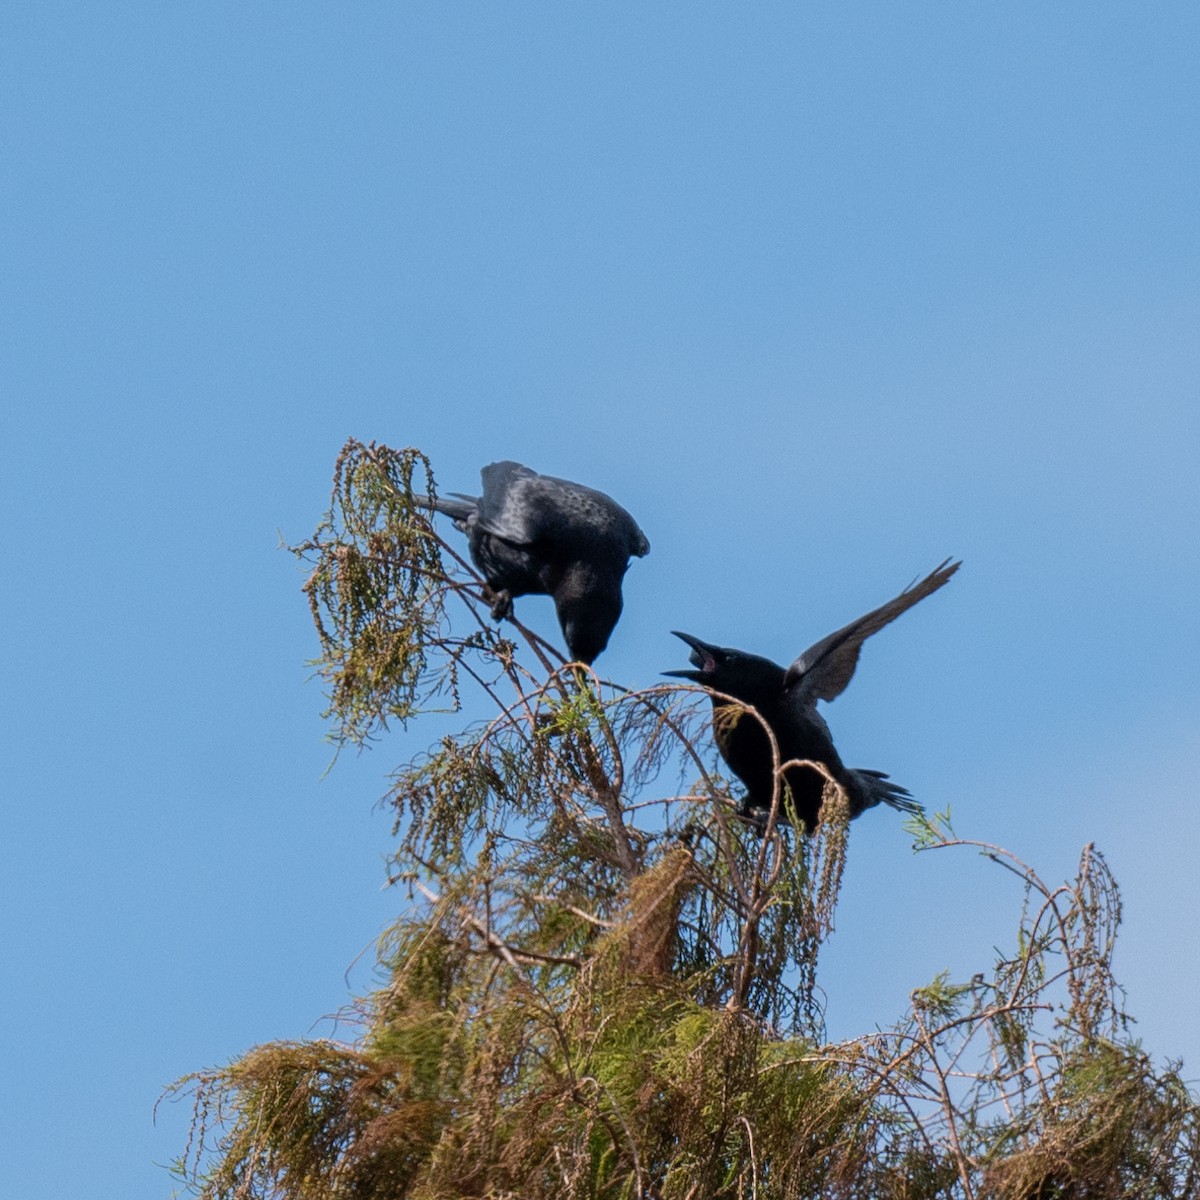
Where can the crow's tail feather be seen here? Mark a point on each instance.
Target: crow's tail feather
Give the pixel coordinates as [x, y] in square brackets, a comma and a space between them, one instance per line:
[459, 509]
[869, 788]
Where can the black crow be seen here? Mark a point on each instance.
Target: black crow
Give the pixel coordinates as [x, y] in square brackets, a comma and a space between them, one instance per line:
[787, 702]
[534, 534]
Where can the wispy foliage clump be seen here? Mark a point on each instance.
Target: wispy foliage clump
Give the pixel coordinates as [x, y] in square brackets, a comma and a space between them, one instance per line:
[602, 984]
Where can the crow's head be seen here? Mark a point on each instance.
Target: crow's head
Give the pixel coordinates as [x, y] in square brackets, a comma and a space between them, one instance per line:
[746, 676]
[589, 605]
[586, 634]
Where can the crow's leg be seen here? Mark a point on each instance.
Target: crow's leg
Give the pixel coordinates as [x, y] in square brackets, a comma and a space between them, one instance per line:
[502, 603]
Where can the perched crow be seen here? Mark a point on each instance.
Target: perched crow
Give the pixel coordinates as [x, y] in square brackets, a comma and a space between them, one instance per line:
[534, 534]
[787, 701]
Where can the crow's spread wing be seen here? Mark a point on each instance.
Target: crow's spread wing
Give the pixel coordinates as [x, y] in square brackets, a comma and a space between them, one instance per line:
[823, 671]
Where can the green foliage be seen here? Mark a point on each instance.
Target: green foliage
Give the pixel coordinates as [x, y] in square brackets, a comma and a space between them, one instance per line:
[603, 985]
[379, 592]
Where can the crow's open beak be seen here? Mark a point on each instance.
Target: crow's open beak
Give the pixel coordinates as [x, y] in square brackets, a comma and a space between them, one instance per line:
[703, 656]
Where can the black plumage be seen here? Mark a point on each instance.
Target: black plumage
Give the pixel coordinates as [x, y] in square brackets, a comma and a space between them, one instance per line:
[534, 534]
[787, 699]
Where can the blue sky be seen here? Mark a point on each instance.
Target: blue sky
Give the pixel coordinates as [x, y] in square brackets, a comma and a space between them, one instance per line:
[821, 292]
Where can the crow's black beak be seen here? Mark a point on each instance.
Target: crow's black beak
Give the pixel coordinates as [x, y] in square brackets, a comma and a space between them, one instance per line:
[703, 656]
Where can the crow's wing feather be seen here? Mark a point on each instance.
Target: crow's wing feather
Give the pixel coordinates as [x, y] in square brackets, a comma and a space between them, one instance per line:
[523, 507]
[502, 509]
[823, 670]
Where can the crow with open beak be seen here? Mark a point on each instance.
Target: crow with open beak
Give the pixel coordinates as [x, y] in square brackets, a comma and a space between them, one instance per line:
[786, 700]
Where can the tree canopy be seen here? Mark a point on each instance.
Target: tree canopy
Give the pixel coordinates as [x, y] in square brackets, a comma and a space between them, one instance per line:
[602, 984]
